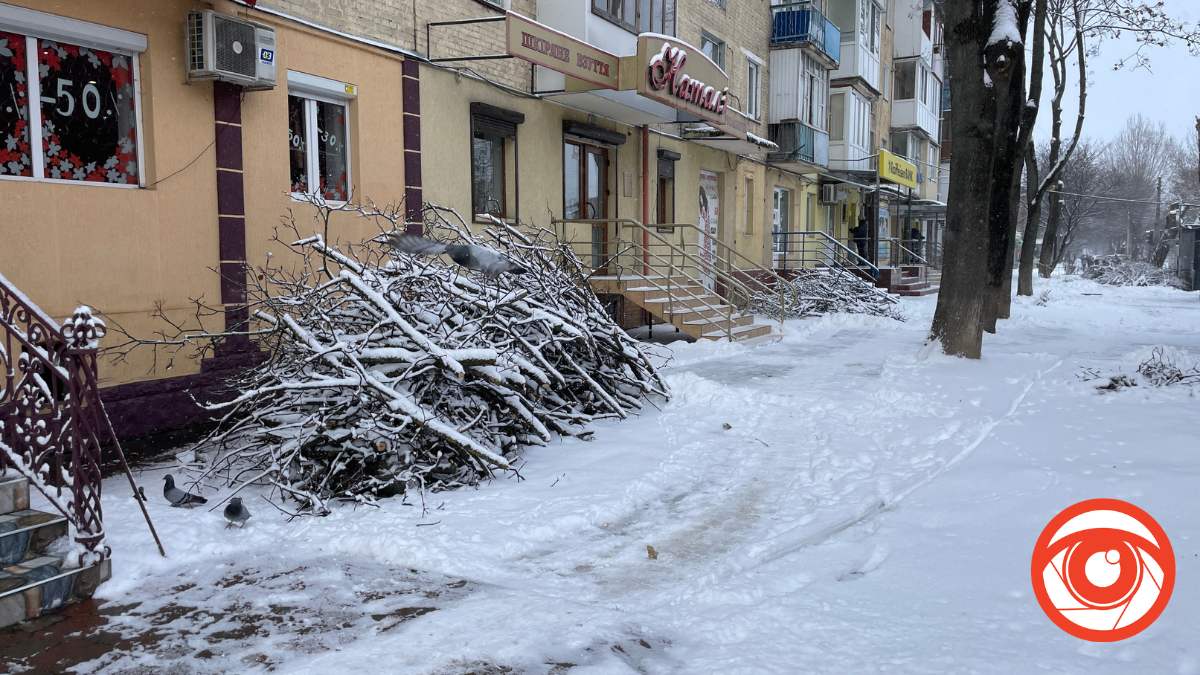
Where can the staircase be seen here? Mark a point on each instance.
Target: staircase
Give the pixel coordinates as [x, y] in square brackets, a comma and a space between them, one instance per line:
[712, 293]
[34, 581]
[909, 280]
[685, 304]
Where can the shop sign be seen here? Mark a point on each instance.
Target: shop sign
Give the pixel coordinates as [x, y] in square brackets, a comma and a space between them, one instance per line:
[896, 170]
[681, 76]
[544, 46]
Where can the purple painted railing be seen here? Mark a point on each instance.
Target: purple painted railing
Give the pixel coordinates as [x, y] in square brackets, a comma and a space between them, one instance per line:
[51, 420]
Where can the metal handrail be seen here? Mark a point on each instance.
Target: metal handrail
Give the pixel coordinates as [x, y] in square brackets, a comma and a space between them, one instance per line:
[785, 288]
[906, 250]
[860, 262]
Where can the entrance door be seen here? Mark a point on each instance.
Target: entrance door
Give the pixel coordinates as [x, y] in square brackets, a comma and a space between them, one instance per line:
[585, 194]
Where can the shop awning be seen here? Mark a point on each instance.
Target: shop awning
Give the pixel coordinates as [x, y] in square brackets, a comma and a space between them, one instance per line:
[715, 138]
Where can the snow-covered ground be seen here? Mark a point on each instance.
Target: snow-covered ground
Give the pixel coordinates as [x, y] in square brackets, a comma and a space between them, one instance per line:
[872, 507]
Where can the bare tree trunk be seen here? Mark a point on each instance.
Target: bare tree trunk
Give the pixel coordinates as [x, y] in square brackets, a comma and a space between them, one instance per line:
[1050, 238]
[956, 321]
[1004, 299]
[1007, 71]
[1032, 225]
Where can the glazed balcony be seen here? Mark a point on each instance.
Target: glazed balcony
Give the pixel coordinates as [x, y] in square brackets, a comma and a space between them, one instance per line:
[800, 25]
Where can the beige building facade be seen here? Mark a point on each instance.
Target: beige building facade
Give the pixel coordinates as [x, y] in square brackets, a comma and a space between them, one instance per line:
[740, 132]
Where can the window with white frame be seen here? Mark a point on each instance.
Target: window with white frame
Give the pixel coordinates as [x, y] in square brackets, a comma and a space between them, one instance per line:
[816, 87]
[713, 47]
[906, 80]
[837, 116]
[753, 88]
[319, 136]
[85, 125]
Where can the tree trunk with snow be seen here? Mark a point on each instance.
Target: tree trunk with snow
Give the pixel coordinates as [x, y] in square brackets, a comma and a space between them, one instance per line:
[957, 318]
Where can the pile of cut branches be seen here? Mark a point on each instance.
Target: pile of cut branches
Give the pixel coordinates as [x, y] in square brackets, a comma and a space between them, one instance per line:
[1116, 271]
[830, 291]
[390, 373]
[1161, 370]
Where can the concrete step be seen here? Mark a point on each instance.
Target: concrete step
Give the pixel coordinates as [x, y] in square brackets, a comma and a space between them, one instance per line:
[918, 293]
[41, 586]
[747, 332]
[28, 534]
[32, 581]
[14, 493]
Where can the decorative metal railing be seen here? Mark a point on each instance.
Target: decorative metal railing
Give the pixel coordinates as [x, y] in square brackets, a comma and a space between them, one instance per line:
[51, 418]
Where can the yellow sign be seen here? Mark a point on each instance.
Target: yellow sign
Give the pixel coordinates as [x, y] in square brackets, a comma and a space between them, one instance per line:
[897, 170]
[536, 43]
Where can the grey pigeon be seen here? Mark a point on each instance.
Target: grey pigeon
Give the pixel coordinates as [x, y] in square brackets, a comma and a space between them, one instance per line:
[235, 513]
[178, 497]
[469, 256]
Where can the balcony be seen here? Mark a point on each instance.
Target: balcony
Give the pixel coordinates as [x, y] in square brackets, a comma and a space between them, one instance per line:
[798, 24]
[799, 142]
[914, 115]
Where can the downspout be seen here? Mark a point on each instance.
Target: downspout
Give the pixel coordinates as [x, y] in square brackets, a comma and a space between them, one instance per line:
[645, 198]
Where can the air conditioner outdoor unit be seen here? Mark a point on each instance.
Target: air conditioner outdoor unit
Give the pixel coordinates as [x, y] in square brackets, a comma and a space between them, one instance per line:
[229, 49]
[829, 193]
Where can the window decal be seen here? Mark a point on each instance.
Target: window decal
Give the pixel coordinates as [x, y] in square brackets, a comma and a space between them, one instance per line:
[89, 125]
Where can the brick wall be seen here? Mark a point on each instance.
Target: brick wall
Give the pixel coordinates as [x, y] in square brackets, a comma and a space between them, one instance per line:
[742, 24]
[402, 24]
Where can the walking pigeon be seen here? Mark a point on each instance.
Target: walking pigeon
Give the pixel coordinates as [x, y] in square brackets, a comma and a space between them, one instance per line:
[235, 513]
[469, 256]
[178, 497]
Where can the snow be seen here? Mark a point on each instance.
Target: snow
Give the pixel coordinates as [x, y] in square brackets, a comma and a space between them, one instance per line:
[1004, 24]
[873, 506]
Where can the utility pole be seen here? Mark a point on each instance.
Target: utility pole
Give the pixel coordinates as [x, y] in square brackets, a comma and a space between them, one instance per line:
[1157, 215]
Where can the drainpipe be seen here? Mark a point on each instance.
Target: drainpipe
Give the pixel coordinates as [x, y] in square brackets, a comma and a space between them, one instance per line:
[646, 198]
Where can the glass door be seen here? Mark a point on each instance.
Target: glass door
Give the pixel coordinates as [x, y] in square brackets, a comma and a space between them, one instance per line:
[585, 194]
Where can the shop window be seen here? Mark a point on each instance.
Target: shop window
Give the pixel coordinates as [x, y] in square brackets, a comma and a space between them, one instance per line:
[488, 174]
[638, 16]
[753, 89]
[666, 186]
[87, 119]
[713, 48]
[319, 137]
[780, 224]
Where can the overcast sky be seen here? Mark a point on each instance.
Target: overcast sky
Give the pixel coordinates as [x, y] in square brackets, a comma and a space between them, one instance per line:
[1171, 93]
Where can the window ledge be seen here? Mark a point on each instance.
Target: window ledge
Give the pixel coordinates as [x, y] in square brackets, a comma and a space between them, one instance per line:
[62, 181]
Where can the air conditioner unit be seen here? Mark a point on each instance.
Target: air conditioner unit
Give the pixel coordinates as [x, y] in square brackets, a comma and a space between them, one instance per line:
[229, 49]
[829, 193]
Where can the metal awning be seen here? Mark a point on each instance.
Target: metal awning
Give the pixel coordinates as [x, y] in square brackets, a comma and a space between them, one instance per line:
[625, 107]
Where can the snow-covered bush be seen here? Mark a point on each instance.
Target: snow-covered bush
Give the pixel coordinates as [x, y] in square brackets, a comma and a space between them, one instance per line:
[391, 373]
[1117, 271]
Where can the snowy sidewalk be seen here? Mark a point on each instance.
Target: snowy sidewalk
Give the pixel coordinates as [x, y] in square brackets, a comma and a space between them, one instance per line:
[871, 507]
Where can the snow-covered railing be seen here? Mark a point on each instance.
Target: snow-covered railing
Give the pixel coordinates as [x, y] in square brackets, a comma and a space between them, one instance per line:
[50, 415]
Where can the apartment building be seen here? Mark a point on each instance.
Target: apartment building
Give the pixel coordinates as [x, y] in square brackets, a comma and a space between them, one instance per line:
[739, 132]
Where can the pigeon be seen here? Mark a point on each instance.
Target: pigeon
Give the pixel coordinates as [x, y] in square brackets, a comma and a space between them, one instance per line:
[235, 513]
[178, 497]
[469, 256]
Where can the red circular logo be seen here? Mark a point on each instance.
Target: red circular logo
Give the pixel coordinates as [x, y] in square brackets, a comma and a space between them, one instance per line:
[1103, 570]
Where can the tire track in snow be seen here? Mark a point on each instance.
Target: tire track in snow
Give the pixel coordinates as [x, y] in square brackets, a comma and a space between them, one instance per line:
[877, 508]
